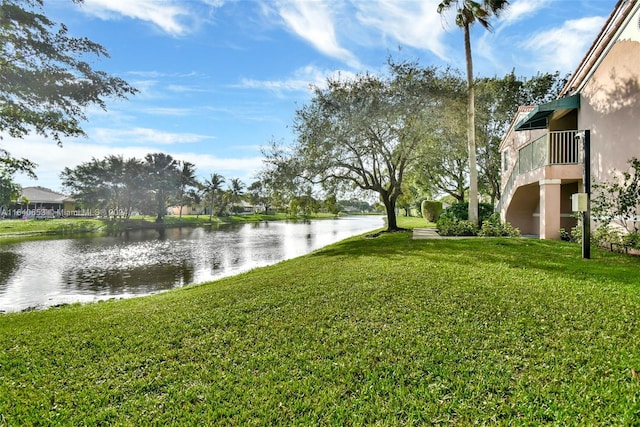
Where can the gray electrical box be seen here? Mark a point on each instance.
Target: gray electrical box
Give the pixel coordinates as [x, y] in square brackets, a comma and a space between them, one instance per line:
[579, 202]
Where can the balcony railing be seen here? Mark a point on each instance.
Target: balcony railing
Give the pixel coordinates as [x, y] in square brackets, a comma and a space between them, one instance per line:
[553, 148]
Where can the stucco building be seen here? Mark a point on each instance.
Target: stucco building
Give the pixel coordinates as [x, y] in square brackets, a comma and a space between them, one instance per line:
[542, 153]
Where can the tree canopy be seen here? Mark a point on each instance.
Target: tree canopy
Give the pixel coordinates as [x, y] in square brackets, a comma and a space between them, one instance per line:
[47, 83]
[363, 133]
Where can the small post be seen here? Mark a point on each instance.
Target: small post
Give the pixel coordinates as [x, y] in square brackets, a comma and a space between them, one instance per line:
[586, 188]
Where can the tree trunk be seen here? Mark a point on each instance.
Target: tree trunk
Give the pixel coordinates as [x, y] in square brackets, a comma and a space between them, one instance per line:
[390, 206]
[471, 131]
[160, 206]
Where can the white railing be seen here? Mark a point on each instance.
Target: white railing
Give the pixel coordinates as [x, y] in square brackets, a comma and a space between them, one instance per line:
[553, 148]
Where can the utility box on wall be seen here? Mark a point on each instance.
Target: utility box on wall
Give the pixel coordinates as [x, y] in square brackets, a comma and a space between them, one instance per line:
[579, 202]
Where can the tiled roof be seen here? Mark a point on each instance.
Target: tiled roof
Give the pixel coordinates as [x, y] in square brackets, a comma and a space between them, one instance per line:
[622, 10]
[44, 195]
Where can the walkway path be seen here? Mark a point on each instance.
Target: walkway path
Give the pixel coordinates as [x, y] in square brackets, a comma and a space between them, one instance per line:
[431, 233]
[426, 233]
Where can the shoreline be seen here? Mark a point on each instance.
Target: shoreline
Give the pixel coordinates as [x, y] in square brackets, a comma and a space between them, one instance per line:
[19, 228]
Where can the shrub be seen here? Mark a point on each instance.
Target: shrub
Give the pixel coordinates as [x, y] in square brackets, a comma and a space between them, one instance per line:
[565, 235]
[493, 227]
[431, 210]
[607, 237]
[632, 240]
[461, 211]
[617, 201]
[448, 225]
[466, 228]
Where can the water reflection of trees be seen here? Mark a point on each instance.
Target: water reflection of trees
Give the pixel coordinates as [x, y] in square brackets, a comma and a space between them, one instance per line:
[137, 280]
[9, 263]
[138, 262]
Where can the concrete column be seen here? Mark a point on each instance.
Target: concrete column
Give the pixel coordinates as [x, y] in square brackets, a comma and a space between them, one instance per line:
[550, 208]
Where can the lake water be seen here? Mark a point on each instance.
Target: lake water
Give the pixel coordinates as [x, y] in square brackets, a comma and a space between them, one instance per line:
[43, 273]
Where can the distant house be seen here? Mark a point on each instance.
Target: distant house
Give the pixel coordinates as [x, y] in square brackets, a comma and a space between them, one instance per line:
[44, 202]
[241, 208]
[542, 154]
[186, 210]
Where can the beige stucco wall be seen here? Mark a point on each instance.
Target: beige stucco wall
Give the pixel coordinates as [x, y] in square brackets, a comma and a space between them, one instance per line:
[523, 208]
[610, 108]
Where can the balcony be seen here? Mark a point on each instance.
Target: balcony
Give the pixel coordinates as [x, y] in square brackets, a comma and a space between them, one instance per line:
[553, 148]
[559, 148]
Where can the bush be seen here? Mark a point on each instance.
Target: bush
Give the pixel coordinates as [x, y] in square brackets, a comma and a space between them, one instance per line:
[493, 227]
[575, 233]
[455, 219]
[461, 211]
[632, 240]
[431, 210]
[615, 239]
[448, 225]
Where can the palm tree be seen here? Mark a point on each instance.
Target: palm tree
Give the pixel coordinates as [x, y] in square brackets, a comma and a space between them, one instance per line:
[235, 192]
[186, 179]
[212, 187]
[467, 13]
[163, 175]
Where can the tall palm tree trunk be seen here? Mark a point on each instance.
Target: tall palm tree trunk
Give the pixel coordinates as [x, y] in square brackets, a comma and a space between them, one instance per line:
[471, 131]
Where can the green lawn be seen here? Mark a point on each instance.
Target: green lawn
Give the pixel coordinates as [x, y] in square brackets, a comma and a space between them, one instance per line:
[414, 222]
[384, 331]
[19, 227]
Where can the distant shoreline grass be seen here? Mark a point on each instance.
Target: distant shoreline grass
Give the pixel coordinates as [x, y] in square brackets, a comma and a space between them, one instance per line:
[12, 228]
[385, 331]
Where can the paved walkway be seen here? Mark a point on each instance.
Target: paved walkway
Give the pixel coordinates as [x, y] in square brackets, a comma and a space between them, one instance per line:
[426, 233]
[431, 233]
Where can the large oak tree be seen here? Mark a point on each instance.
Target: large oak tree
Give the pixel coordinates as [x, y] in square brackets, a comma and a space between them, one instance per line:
[364, 133]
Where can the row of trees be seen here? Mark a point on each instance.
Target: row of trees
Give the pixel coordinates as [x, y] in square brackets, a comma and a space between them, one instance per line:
[402, 134]
[115, 184]
[151, 185]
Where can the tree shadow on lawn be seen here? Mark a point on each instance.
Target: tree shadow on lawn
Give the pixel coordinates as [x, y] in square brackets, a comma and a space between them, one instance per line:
[380, 243]
[560, 258]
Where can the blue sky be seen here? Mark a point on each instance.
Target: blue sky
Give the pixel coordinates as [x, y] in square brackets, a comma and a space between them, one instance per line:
[219, 79]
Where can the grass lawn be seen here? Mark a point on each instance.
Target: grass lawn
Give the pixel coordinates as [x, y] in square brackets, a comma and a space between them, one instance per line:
[414, 222]
[385, 331]
[19, 227]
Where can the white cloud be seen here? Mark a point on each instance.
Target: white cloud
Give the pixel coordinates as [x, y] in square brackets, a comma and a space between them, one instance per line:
[142, 136]
[184, 89]
[302, 80]
[314, 22]
[245, 168]
[519, 10]
[562, 48]
[491, 45]
[167, 15]
[166, 111]
[410, 23]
